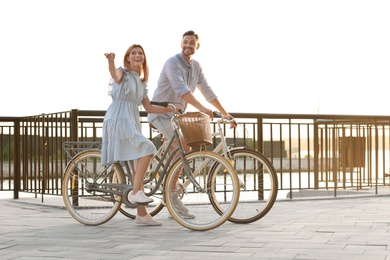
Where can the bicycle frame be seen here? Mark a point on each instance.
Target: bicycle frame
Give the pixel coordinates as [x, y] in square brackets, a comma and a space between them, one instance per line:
[102, 190]
[221, 147]
[166, 159]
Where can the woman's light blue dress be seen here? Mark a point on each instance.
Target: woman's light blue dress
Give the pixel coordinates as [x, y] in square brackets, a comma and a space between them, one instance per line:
[122, 138]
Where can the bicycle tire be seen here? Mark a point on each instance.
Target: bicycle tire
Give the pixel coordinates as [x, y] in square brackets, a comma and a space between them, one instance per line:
[83, 176]
[150, 181]
[259, 185]
[198, 200]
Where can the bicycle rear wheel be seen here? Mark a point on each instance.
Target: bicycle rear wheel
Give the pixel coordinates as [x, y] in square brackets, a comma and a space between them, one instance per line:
[259, 185]
[197, 197]
[86, 188]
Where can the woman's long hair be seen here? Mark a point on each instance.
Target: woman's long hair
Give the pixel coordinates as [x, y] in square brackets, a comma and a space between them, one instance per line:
[144, 73]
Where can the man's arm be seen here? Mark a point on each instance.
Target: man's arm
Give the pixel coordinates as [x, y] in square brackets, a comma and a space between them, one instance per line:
[189, 98]
[220, 108]
[225, 114]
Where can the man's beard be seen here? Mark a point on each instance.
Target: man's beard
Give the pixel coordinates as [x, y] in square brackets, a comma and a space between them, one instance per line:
[188, 52]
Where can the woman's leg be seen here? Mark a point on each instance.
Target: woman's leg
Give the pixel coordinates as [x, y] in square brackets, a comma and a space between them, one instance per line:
[140, 171]
[142, 166]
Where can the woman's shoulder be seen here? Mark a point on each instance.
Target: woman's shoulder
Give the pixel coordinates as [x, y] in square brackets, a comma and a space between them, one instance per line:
[122, 69]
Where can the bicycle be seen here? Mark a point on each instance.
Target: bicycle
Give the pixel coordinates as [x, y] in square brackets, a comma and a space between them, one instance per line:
[253, 168]
[257, 176]
[93, 193]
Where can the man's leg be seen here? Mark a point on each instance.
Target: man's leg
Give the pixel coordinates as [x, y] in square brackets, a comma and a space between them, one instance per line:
[164, 126]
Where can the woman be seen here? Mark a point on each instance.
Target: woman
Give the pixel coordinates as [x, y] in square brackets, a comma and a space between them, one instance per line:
[122, 136]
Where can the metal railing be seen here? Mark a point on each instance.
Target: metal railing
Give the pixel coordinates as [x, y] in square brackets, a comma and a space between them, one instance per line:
[309, 152]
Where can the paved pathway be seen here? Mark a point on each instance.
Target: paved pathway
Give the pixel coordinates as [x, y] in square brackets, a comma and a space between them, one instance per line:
[347, 228]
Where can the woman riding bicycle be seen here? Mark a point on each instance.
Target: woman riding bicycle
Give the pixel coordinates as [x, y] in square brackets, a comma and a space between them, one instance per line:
[122, 138]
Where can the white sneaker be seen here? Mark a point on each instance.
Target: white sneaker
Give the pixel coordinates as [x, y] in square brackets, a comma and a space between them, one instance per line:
[185, 215]
[139, 197]
[147, 220]
[180, 207]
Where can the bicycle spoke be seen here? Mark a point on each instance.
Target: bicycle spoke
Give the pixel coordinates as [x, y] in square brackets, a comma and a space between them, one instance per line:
[199, 197]
[259, 192]
[86, 186]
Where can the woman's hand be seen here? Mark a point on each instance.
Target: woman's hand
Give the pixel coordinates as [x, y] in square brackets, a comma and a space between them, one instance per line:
[110, 56]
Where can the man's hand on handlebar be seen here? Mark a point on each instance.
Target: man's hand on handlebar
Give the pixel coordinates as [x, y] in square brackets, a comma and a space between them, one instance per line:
[208, 112]
[232, 121]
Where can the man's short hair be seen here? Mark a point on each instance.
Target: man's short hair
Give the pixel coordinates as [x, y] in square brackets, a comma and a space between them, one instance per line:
[192, 33]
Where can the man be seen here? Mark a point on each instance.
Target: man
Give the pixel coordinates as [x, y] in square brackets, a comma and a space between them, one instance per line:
[179, 78]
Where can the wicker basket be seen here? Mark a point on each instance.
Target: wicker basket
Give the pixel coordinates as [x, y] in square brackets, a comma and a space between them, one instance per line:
[196, 129]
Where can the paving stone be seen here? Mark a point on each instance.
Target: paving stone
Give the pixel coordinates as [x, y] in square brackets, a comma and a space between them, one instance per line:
[335, 228]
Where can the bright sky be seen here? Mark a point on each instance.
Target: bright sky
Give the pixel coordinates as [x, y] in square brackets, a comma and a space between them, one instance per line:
[287, 56]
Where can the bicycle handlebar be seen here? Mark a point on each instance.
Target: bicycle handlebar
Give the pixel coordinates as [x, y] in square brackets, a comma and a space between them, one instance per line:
[217, 114]
[161, 104]
[166, 104]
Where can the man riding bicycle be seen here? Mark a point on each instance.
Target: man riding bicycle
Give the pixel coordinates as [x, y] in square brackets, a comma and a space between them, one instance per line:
[179, 78]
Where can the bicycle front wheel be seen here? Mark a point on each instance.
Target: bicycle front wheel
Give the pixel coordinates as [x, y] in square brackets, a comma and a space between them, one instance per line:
[258, 185]
[198, 195]
[91, 192]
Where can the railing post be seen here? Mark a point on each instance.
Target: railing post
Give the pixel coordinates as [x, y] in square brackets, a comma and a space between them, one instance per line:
[16, 158]
[74, 138]
[260, 143]
[74, 125]
[45, 156]
[335, 167]
[376, 159]
[260, 180]
[316, 155]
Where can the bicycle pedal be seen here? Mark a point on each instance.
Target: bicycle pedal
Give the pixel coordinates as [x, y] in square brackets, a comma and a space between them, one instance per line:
[132, 205]
[143, 204]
